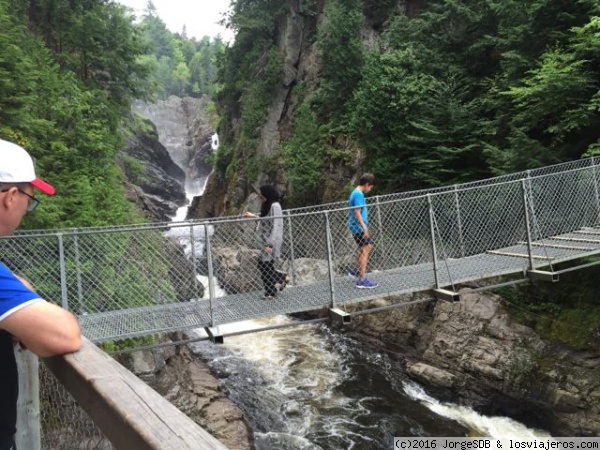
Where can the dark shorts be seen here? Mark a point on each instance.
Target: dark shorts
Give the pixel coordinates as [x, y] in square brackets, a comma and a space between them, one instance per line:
[359, 238]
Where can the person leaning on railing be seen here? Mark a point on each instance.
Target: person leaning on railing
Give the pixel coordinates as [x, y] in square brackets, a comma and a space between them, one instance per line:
[25, 318]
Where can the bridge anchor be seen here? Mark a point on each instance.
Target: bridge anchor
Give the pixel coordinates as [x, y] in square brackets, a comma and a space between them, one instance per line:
[338, 316]
[543, 275]
[214, 338]
[445, 294]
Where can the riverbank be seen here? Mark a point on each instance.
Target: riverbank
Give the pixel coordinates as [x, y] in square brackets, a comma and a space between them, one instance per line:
[188, 384]
[469, 353]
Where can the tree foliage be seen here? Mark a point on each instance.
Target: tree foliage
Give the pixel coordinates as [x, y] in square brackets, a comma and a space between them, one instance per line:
[67, 120]
[183, 66]
[467, 89]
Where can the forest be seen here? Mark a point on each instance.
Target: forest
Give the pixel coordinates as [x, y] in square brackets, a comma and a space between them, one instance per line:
[69, 72]
[451, 91]
[448, 91]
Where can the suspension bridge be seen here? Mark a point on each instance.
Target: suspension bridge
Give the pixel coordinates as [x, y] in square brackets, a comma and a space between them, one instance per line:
[134, 281]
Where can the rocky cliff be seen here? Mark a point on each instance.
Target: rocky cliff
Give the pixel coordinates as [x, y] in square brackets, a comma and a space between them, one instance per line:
[297, 40]
[294, 38]
[164, 159]
[155, 182]
[189, 385]
[184, 128]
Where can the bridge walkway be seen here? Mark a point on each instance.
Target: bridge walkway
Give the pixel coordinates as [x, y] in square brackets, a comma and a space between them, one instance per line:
[403, 280]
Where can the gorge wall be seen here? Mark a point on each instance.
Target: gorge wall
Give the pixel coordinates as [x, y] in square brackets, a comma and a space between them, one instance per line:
[294, 38]
[165, 154]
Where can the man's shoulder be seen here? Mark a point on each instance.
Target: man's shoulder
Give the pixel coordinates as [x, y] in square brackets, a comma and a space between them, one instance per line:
[356, 195]
[13, 293]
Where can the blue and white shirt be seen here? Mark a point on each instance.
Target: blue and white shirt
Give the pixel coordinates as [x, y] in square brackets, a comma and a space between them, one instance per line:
[14, 295]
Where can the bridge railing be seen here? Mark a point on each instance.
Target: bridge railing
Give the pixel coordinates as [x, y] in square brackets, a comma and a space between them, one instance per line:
[86, 400]
[516, 176]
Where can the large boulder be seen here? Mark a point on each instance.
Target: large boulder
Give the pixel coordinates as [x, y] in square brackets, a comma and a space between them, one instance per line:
[237, 269]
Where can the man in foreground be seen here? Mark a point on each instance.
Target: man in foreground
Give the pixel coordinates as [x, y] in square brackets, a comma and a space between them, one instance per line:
[25, 318]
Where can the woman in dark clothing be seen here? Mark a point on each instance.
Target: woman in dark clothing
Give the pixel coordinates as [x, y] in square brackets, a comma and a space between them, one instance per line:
[272, 237]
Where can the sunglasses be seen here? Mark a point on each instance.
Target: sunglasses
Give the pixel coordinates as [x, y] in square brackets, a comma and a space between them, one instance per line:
[33, 202]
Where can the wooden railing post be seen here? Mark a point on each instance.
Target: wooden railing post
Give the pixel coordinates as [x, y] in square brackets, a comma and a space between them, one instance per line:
[28, 407]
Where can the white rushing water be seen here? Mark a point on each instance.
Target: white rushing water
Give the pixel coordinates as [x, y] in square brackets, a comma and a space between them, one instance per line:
[329, 395]
[480, 425]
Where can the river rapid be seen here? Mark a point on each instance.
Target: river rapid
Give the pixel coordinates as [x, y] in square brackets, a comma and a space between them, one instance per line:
[309, 387]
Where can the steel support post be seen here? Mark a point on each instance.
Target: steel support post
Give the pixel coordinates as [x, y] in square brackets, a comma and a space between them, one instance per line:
[78, 276]
[531, 203]
[383, 247]
[459, 222]
[193, 248]
[63, 272]
[211, 282]
[527, 223]
[292, 256]
[433, 246]
[596, 195]
[330, 259]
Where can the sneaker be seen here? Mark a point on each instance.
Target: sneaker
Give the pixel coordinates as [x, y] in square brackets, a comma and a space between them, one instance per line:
[354, 273]
[365, 283]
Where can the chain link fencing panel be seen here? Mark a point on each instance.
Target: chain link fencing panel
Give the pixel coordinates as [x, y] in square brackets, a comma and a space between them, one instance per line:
[64, 424]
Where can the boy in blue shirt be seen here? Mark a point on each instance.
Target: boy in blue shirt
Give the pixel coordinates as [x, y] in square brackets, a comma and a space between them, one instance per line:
[25, 318]
[358, 223]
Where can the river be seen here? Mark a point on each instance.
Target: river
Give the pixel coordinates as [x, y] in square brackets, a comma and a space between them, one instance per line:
[313, 387]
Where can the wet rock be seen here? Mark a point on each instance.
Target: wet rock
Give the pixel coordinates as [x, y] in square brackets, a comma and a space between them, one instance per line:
[188, 383]
[430, 374]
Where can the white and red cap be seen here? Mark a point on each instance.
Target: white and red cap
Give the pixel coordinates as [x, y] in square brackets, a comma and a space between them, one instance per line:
[16, 166]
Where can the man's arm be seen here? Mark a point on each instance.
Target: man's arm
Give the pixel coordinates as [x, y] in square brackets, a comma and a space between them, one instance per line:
[360, 220]
[44, 328]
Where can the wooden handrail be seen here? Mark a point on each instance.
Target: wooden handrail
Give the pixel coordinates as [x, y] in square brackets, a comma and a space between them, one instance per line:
[129, 412]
